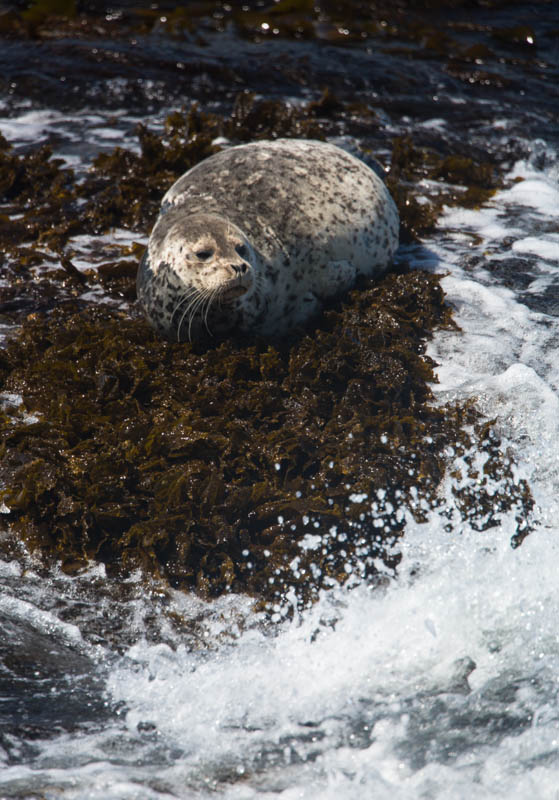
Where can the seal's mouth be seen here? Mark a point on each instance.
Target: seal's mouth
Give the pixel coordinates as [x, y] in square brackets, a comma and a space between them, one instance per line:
[232, 292]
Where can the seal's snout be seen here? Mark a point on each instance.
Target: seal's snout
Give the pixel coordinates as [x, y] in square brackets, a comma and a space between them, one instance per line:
[239, 282]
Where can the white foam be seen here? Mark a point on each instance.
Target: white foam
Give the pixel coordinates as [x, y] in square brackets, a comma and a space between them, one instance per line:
[107, 133]
[484, 223]
[32, 126]
[546, 247]
[504, 354]
[475, 598]
[437, 123]
[42, 620]
[535, 189]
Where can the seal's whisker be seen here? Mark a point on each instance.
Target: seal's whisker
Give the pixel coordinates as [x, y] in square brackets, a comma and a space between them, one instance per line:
[205, 307]
[192, 310]
[192, 290]
[185, 312]
[213, 294]
[195, 307]
[182, 316]
[193, 299]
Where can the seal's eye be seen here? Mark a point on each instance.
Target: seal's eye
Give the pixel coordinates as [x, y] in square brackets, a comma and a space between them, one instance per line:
[242, 250]
[203, 255]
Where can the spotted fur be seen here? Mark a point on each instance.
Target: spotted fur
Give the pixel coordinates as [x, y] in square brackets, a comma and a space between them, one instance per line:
[258, 236]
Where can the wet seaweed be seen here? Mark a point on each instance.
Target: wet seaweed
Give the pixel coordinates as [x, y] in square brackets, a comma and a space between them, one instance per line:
[275, 469]
[463, 182]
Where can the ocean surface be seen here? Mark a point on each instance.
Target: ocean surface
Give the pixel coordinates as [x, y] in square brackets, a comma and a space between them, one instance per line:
[444, 683]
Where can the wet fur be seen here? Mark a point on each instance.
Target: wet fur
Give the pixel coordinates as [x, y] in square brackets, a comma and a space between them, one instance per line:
[290, 223]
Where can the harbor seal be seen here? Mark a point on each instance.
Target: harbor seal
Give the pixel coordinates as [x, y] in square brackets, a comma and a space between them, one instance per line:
[257, 237]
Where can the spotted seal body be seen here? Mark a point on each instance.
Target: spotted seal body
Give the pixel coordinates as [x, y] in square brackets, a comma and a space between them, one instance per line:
[257, 237]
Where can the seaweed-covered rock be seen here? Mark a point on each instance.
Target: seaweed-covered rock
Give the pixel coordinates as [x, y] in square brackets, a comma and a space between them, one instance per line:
[274, 468]
[251, 466]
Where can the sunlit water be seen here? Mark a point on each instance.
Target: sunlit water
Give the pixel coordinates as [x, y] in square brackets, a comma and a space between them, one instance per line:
[442, 685]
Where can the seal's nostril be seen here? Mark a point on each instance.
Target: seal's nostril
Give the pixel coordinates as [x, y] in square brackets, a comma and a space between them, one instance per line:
[239, 269]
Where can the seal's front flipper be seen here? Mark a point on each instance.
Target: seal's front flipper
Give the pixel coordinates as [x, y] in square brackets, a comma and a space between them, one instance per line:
[337, 278]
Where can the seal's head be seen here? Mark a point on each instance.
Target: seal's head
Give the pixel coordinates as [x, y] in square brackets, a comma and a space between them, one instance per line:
[196, 271]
